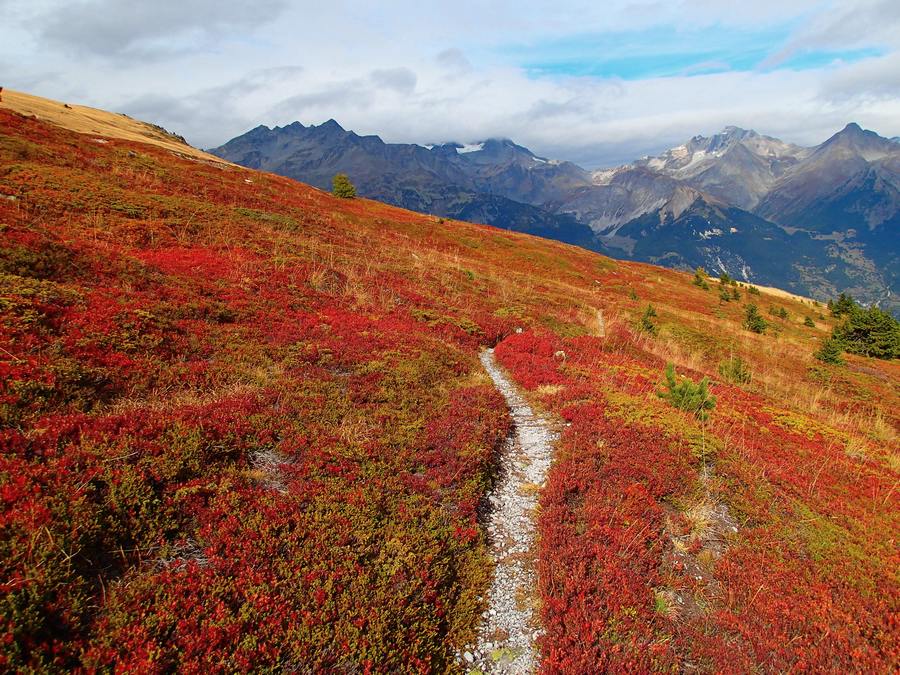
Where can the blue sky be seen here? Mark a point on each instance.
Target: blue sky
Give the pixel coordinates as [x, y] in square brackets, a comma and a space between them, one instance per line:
[598, 83]
[660, 51]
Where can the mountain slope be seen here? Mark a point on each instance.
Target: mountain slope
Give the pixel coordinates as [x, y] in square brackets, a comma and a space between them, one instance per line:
[245, 427]
[737, 166]
[849, 182]
[842, 195]
[433, 179]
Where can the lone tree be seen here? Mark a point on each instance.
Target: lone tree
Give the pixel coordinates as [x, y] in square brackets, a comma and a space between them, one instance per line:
[700, 278]
[753, 320]
[646, 324]
[682, 393]
[342, 187]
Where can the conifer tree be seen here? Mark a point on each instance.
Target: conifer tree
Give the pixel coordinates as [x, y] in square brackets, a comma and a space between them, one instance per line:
[687, 395]
[753, 321]
[342, 187]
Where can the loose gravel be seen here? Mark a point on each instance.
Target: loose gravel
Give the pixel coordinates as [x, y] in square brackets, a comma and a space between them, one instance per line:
[510, 628]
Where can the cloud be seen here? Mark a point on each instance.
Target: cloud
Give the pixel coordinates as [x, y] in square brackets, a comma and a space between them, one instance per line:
[434, 71]
[845, 26]
[206, 115]
[453, 59]
[401, 80]
[111, 28]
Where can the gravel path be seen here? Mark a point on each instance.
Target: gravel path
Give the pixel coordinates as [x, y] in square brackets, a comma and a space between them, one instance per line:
[506, 640]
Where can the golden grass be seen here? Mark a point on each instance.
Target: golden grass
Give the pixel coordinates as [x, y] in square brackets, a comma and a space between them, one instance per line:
[85, 120]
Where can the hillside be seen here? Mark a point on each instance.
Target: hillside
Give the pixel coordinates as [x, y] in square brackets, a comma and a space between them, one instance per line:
[817, 221]
[245, 426]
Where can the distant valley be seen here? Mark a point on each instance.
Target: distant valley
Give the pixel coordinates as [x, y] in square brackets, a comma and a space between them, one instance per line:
[813, 220]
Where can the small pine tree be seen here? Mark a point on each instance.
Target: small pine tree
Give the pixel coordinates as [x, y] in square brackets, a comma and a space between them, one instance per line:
[687, 395]
[735, 369]
[830, 352]
[808, 322]
[845, 304]
[753, 320]
[646, 324]
[342, 187]
[725, 295]
[724, 279]
[700, 279]
[735, 294]
[753, 290]
[632, 295]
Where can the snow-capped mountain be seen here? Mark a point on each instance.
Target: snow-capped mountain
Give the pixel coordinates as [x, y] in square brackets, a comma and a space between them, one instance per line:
[817, 220]
[737, 165]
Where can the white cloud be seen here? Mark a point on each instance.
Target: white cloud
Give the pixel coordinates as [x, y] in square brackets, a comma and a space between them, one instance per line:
[427, 71]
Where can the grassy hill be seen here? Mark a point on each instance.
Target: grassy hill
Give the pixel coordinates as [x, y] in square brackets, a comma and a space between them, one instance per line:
[244, 425]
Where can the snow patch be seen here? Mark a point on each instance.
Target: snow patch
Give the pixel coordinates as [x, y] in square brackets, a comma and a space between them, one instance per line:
[470, 147]
[714, 232]
[604, 176]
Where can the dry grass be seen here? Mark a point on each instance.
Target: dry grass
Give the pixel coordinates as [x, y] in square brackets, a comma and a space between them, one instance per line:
[85, 120]
[700, 516]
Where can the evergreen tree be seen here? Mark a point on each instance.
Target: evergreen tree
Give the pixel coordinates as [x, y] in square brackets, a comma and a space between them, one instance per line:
[830, 352]
[687, 395]
[869, 332]
[342, 187]
[809, 323]
[700, 278]
[753, 320]
[844, 305]
[735, 369]
[646, 324]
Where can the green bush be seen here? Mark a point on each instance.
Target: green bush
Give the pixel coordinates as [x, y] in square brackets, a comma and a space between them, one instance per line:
[687, 395]
[808, 322]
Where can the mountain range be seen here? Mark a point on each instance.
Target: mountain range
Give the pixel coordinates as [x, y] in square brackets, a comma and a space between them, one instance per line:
[812, 220]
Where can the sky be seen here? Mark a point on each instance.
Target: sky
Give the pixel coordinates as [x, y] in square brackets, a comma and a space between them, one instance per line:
[597, 83]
